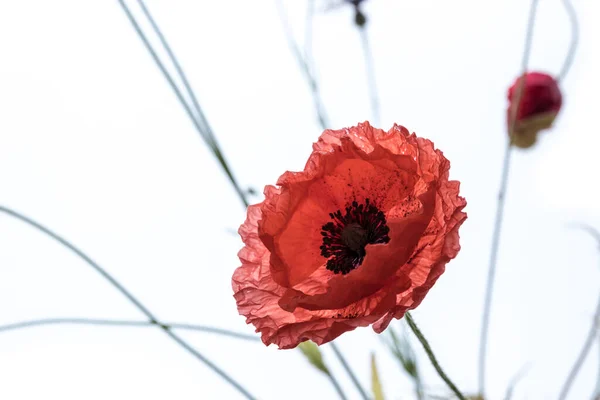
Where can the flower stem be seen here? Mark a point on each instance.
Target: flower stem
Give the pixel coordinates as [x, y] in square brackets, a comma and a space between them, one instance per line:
[193, 111]
[501, 201]
[351, 374]
[151, 318]
[370, 69]
[337, 386]
[304, 65]
[582, 355]
[429, 351]
[592, 335]
[574, 40]
[112, 322]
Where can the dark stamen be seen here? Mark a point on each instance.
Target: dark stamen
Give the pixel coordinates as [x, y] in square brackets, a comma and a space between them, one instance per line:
[345, 238]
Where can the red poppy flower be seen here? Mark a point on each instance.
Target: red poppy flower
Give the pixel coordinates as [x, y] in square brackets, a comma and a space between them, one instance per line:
[540, 102]
[357, 238]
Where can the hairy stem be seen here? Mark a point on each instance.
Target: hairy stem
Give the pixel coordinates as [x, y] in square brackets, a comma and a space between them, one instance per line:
[432, 358]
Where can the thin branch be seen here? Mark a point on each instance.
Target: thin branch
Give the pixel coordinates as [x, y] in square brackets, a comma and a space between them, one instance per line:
[308, 34]
[337, 387]
[112, 322]
[198, 119]
[304, 66]
[592, 335]
[574, 40]
[151, 318]
[501, 201]
[349, 371]
[199, 113]
[513, 382]
[597, 389]
[371, 77]
[432, 358]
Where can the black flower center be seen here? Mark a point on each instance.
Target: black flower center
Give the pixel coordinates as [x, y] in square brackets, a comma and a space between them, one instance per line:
[345, 238]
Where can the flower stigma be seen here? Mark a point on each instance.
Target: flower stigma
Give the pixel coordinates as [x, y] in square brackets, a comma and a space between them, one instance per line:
[345, 238]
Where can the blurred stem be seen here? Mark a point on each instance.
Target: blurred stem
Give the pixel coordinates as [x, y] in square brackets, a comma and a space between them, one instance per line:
[597, 389]
[419, 390]
[198, 119]
[592, 335]
[113, 322]
[308, 34]
[337, 386]
[371, 77]
[501, 201]
[432, 358]
[121, 289]
[304, 66]
[513, 382]
[574, 40]
[351, 374]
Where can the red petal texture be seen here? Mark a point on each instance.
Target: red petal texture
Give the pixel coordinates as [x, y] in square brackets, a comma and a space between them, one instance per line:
[540, 102]
[283, 287]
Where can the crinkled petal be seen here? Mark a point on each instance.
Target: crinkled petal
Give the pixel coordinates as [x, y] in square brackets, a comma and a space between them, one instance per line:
[283, 287]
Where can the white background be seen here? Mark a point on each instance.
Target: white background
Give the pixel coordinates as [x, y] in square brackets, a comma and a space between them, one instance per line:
[94, 144]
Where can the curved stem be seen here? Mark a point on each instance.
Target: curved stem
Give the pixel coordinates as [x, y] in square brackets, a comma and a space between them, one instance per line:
[351, 374]
[574, 39]
[198, 119]
[513, 382]
[429, 351]
[112, 322]
[501, 201]
[152, 319]
[592, 335]
[306, 70]
[371, 80]
[582, 354]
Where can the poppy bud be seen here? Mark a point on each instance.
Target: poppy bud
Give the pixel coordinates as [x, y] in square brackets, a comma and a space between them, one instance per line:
[539, 103]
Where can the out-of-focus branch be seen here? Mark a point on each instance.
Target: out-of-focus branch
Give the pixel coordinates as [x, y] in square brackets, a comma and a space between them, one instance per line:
[304, 65]
[127, 294]
[574, 40]
[592, 335]
[124, 323]
[193, 110]
[485, 322]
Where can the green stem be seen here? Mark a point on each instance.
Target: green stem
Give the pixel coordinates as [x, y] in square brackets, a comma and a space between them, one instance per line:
[337, 386]
[574, 40]
[120, 288]
[495, 246]
[351, 374]
[304, 65]
[198, 119]
[370, 70]
[429, 351]
[111, 322]
[582, 355]
[592, 335]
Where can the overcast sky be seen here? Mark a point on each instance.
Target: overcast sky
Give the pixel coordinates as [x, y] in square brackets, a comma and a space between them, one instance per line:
[94, 144]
